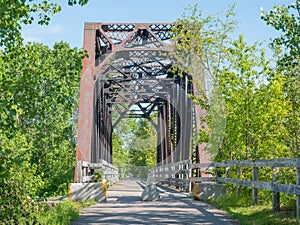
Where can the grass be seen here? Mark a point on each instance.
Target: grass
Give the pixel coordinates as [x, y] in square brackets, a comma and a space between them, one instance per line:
[81, 205]
[62, 213]
[246, 214]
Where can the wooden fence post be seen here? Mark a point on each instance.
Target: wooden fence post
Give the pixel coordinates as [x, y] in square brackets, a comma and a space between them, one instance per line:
[238, 175]
[227, 171]
[298, 197]
[275, 195]
[255, 190]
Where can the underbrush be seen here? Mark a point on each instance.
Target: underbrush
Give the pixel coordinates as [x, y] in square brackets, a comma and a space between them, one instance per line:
[60, 214]
[241, 210]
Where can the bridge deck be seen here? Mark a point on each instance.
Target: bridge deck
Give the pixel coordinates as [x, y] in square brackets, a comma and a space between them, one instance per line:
[124, 206]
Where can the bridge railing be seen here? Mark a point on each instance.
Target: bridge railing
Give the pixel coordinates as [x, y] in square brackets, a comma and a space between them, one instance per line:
[176, 174]
[179, 175]
[85, 171]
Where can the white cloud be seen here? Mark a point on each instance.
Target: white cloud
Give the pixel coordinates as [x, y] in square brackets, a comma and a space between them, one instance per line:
[32, 39]
[53, 29]
[42, 30]
[36, 33]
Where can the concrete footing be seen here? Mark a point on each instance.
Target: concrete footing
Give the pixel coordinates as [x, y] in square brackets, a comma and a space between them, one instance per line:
[205, 191]
[150, 193]
[81, 192]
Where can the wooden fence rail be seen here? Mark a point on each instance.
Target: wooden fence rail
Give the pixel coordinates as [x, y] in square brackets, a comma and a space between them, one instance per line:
[179, 175]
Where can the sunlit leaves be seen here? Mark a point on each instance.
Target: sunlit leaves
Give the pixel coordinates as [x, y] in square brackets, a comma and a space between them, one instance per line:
[15, 13]
[134, 146]
[251, 91]
[38, 97]
[80, 2]
[286, 19]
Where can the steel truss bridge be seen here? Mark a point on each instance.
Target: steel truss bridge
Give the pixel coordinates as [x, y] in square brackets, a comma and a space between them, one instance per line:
[129, 73]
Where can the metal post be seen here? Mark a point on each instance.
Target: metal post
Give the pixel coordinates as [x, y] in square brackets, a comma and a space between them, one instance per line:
[165, 132]
[190, 175]
[79, 171]
[159, 147]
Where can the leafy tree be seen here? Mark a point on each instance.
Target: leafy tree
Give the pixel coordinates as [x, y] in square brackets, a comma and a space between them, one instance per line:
[122, 136]
[37, 103]
[201, 43]
[269, 120]
[14, 13]
[260, 97]
[143, 144]
[142, 148]
[20, 184]
[134, 146]
[286, 19]
[37, 99]
[236, 82]
[256, 112]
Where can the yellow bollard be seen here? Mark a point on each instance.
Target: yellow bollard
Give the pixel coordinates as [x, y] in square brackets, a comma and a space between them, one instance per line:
[70, 192]
[195, 191]
[104, 188]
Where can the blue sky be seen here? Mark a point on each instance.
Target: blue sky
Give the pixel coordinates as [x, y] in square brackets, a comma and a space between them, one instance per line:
[69, 23]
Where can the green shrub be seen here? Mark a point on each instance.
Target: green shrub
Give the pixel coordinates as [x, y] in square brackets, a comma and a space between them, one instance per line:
[60, 214]
[240, 209]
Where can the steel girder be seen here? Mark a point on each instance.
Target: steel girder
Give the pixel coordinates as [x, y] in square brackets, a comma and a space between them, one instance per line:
[129, 65]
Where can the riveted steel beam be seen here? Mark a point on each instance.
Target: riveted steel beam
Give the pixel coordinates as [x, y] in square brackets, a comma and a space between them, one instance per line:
[129, 66]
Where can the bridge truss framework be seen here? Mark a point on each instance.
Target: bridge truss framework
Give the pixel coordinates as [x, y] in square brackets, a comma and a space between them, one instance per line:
[128, 72]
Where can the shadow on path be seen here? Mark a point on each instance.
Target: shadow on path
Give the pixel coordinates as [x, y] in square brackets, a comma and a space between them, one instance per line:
[124, 206]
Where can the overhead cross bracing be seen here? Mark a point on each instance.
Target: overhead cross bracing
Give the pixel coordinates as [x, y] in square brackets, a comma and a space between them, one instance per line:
[128, 72]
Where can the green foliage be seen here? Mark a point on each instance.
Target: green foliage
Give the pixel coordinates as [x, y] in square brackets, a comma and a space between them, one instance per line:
[201, 43]
[122, 137]
[143, 144]
[80, 2]
[286, 19]
[257, 99]
[134, 147]
[37, 105]
[246, 102]
[15, 13]
[98, 175]
[240, 209]
[20, 182]
[62, 213]
[37, 100]
[255, 111]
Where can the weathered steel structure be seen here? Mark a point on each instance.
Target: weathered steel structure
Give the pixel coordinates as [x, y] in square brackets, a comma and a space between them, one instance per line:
[128, 73]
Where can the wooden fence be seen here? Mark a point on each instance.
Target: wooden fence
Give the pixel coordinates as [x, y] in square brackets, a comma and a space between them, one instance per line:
[179, 175]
